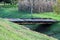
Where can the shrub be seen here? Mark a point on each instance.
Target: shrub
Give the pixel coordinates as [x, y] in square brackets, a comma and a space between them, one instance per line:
[57, 7]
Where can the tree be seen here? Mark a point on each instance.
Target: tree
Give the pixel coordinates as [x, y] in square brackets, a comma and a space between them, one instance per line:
[57, 7]
[35, 5]
[6, 1]
[1, 0]
[9, 1]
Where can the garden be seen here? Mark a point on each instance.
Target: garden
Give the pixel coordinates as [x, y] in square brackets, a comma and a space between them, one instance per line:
[29, 9]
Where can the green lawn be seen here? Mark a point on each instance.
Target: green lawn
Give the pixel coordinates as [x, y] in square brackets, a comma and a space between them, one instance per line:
[12, 12]
[12, 31]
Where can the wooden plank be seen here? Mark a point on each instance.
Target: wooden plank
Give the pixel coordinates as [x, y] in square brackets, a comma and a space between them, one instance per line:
[32, 21]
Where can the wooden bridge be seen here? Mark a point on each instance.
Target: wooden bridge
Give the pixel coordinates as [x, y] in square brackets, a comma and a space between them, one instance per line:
[33, 21]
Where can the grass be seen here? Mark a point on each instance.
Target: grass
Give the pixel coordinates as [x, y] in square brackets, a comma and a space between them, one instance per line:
[54, 30]
[12, 31]
[12, 12]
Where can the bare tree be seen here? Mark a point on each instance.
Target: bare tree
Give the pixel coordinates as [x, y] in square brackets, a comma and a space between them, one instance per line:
[35, 5]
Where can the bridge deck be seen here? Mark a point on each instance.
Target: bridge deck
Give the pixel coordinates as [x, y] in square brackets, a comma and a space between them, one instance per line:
[33, 21]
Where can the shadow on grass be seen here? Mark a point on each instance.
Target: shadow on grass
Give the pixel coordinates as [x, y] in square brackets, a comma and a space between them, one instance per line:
[52, 30]
[13, 13]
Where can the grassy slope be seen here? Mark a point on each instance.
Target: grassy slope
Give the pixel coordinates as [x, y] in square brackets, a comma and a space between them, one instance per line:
[11, 31]
[12, 12]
